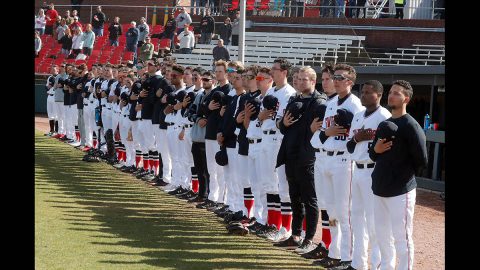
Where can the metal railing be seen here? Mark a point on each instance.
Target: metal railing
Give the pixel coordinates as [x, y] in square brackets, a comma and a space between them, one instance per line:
[286, 9]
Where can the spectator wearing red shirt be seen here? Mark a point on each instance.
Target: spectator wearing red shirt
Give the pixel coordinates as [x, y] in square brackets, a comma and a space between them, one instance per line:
[50, 16]
[75, 24]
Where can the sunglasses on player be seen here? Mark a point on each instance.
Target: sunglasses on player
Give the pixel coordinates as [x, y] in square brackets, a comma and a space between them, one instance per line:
[339, 78]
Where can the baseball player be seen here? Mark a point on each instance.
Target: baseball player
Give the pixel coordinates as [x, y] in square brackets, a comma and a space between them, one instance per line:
[329, 89]
[69, 104]
[186, 130]
[180, 178]
[399, 152]
[164, 177]
[361, 135]
[227, 137]
[149, 96]
[212, 115]
[196, 136]
[88, 109]
[338, 173]
[254, 135]
[274, 179]
[59, 97]
[126, 123]
[250, 85]
[51, 113]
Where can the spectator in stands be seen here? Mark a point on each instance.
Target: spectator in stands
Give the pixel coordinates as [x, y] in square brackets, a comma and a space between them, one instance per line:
[77, 43]
[340, 9]
[98, 21]
[235, 28]
[60, 31]
[68, 18]
[143, 30]
[226, 31]
[50, 16]
[74, 13]
[187, 40]
[115, 30]
[361, 11]
[198, 4]
[169, 29]
[45, 6]
[182, 19]
[66, 42]
[220, 52]
[40, 22]
[88, 40]
[325, 11]
[146, 51]
[75, 24]
[76, 5]
[207, 27]
[38, 43]
[399, 4]
[132, 37]
[297, 9]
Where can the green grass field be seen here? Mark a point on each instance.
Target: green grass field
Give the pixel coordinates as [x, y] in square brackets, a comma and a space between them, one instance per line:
[91, 216]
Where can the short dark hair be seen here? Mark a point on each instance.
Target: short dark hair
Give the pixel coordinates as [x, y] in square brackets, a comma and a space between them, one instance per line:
[407, 87]
[352, 74]
[200, 70]
[178, 68]
[209, 74]
[284, 64]
[376, 85]
[328, 68]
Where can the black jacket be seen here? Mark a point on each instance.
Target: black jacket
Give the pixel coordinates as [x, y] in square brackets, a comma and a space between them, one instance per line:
[210, 26]
[101, 20]
[296, 140]
[229, 124]
[242, 136]
[153, 83]
[394, 172]
[115, 30]
[225, 31]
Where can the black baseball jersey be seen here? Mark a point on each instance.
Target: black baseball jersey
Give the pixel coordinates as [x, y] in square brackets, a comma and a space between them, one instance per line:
[213, 117]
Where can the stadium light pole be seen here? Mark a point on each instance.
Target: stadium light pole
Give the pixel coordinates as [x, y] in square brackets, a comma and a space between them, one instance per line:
[241, 33]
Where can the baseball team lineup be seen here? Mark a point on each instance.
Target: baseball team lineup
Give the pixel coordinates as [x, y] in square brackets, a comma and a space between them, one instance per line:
[271, 158]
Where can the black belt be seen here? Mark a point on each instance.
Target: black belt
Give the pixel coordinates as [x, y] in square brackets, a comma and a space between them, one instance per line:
[91, 101]
[319, 150]
[269, 132]
[50, 95]
[169, 124]
[331, 153]
[125, 115]
[254, 140]
[369, 165]
[85, 104]
[109, 109]
[104, 106]
[188, 126]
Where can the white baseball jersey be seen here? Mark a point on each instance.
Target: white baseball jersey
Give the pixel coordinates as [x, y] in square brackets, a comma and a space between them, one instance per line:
[351, 104]
[283, 95]
[359, 121]
[185, 120]
[315, 141]
[254, 131]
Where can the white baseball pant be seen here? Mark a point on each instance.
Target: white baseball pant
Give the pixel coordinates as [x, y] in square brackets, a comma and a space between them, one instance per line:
[363, 221]
[60, 109]
[90, 125]
[175, 147]
[125, 125]
[51, 112]
[395, 236]
[106, 118]
[338, 190]
[232, 192]
[146, 137]
[161, 142]
[254, 172]
[243, 179]
[217, 183]
[70, 123]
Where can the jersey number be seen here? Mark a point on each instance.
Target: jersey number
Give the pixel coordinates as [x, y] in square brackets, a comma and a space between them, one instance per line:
[341, 138]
